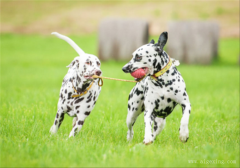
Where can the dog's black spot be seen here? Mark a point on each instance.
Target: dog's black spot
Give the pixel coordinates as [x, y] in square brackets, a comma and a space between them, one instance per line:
[57, 115]
[80, 122]
[90, 95]
[168, 110]
[184, 94]
[77, 107]
[176, 91]
[168, 84]
[169, 100]
[65, 90]
[129, 107]
[69, 95]
[147, 52]
[162, 97]
[69, 108]
[88, 106]
[79, 100]
[171, 88]
[78, 79]
[138, 92]
[79, 90]
[156, 104]
[154, 62]
[183, 107]
[56, 122]
[85, 86]
[88, 100]
[87, 113]
[78, 111]
[133, 109]
[149, 60]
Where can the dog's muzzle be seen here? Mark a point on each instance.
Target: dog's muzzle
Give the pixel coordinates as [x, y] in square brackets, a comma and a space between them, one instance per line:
[127, 68]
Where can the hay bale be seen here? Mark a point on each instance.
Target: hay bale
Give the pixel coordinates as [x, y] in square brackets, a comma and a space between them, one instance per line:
[119, 38]
[194, 42]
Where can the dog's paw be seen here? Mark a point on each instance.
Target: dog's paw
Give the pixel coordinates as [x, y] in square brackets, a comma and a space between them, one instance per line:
[148, 141]
[130, 136]
[184, 134]
[53, 130]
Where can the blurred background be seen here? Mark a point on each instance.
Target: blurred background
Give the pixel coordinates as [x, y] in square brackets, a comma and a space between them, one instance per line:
[195, 27]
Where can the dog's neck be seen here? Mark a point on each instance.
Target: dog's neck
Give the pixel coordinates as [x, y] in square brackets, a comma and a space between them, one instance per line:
[160, 62]
[80, 83]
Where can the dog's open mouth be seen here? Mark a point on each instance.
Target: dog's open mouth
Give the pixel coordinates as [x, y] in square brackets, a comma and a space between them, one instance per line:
[140, 73]
[88, 77]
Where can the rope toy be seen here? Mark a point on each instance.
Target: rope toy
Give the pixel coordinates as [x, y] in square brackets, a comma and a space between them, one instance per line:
[101, 77]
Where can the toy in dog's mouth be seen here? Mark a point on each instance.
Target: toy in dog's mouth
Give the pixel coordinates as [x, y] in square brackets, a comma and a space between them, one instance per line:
[140, 73]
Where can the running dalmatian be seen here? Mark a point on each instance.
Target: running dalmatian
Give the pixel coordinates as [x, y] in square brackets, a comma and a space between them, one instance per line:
[158, 92]
[79, 91]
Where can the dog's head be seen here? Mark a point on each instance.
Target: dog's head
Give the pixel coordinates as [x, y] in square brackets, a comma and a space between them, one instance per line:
[86, 66]
[149, 58]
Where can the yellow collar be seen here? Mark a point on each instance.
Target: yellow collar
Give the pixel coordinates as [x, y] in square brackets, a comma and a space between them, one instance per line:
[162, 71]
[83, 93]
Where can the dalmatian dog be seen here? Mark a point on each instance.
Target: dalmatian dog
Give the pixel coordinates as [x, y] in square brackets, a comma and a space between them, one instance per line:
[79, 91]
[156, 95]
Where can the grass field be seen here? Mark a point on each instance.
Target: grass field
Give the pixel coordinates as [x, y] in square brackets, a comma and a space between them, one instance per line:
[32, 68]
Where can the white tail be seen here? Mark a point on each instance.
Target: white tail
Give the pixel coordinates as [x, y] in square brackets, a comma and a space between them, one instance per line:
[71, 42]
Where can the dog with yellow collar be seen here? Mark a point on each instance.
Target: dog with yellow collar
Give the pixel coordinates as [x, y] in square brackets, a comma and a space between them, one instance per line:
[159, 89]
[79, 91]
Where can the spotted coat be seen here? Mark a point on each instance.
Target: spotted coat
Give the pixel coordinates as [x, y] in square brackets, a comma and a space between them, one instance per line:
[156, 97]
[79, 78]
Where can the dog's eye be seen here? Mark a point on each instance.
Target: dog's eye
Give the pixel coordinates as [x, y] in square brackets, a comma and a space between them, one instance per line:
[138, 58]
[98, 63]
[88, 63]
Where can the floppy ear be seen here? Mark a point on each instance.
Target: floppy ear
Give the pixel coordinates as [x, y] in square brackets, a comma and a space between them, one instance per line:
[162, 40]
[74, 63]
[152, 41]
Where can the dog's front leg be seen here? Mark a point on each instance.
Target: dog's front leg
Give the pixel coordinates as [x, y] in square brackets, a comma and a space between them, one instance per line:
[183, 130]
[148, 138]
[57, 122]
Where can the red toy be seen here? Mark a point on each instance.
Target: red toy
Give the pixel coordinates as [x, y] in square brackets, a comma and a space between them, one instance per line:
[139, 73]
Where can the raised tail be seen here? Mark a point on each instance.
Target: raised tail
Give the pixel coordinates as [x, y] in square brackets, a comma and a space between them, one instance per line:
[71, 42]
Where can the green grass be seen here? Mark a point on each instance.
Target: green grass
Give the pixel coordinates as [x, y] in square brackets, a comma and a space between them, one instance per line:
[32, 68]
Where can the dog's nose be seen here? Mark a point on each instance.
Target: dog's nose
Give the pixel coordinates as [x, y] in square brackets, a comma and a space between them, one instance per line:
[124, 69]
[98, 73]
[127, 68]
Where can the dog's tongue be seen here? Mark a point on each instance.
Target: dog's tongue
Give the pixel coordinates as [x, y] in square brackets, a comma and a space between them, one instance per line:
[139, 73]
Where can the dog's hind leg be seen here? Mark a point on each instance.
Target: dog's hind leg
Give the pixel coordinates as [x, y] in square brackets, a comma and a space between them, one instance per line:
[77, 125]
[57, 122]
[159, 124]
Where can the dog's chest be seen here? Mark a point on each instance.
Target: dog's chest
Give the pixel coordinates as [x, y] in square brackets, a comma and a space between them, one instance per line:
[160, 96]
